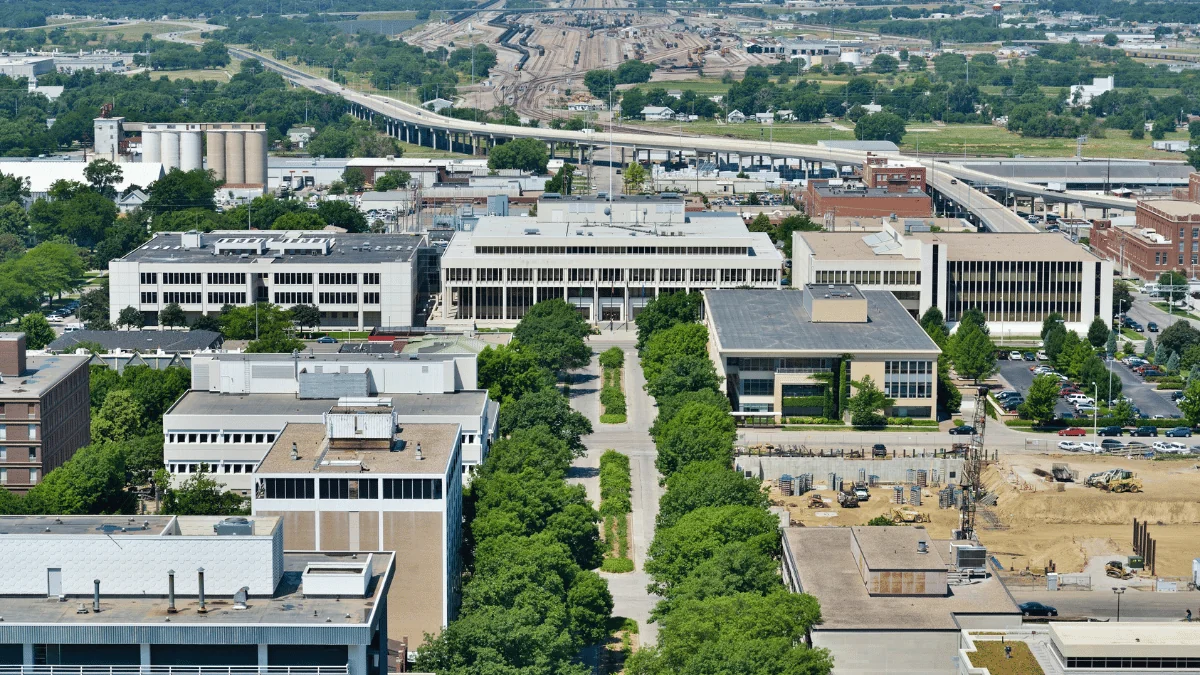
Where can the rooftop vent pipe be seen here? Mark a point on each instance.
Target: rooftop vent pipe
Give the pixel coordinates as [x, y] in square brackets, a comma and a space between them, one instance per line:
[202, 609]
[171, 592]
[240, 598]
[922, 547]
[295, 453]
[96, 596]
[418, 452]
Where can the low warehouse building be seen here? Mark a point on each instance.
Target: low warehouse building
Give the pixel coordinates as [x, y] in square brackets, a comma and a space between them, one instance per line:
[1143, 647]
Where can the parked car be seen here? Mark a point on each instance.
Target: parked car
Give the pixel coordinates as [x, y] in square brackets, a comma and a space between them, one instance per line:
[1137, 327]
[1014, 356]
[1029, 356]
[1085, 408]
[1041, 355]
[1179, 432]
[1068, 390]
[1006, 393]
[1152, 327]
[1110, 431]
[1088, 446]
[879, 450]
[1073, 431]
[964, 430]
[1177, 396]
[1111, 444]
[1036, 609]
[327, 340]
[1079, 398]
[1070, 446]
[1170, 447]
[1145, 431]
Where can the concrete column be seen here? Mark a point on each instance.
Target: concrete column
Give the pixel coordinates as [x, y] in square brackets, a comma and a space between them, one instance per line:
[216, 153]
[256, 157]
[189, 151]
[170, 150]
[235, 158]
[622, 156]
[357, 659]
[262, 656]
[144, 651]
[151, 146]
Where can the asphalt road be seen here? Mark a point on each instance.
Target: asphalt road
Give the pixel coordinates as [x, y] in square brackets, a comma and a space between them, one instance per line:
[1102, 604]
[1145, 396]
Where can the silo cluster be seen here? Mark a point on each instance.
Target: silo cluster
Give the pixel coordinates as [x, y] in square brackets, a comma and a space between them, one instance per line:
[237, 152]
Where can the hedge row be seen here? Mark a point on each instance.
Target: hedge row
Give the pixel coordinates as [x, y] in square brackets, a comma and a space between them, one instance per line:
[615, 484]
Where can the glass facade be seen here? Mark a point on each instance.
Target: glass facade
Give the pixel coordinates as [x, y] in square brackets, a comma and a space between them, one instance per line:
[1015, 290]
[909, 379]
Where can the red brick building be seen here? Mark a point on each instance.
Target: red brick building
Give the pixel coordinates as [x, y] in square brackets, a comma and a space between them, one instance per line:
[44, 413]
[857, 202]
[1166, 237]
[893, 175]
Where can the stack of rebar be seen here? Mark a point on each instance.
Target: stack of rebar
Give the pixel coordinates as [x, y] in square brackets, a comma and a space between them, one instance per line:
[785, 485]
[914, 495]
[922, 477]
[898, 494]
[910, 476]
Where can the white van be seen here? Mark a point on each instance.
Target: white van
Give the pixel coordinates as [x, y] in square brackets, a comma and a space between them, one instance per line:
[72, 327]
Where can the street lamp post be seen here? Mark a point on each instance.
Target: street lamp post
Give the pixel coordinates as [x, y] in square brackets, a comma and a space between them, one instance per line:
[1119, 591]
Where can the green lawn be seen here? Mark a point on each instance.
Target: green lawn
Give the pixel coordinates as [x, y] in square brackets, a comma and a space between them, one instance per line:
[1175, 312]
[800, 132]
[1132, 334]
[990, 654]
[987, 139]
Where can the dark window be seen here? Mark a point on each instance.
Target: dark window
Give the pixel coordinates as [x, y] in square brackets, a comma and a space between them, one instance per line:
[287, 488]
[412, 488]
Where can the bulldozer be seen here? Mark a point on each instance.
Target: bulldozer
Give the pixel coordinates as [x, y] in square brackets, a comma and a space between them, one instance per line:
[815, 501]
[1114, 480]
[1116, 569]
[903, 515]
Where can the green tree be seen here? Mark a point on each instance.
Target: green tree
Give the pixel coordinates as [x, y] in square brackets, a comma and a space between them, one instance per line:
[103, 176]
[1148, 348]
[341, 214]
[546, 407]
[666, 311]
[934, 324]
[1122, 296]
[684, 339]
[600, 82]
[131, 317]
[1179, 336]
[172, 315]
[200, 495]
[880, 521]
[354, 178]
[562, 181]
[1053, 342]
[698, 432]
[1098, 332]
[612, 358]
[1053, 320]
[868, 403]
[37, 330]
[683, 372]
[526, 154]
[248, 322]
[1122, 413]
[1189, 405]
[884, 63]
[298, 220]
[590, 604]
[275, 342]
[699, 534]
[182, 190]
[880, 126]
[974, 354]
[1173, 285]
[1110, 344]
[14, 220]
[634, 178]
[305, 316]
[119, 419]
[1041, 399]
[554, 331]
[701, 484]
[1110, 39]
[91, 482]
[511, 371]
[392, 180]
[207, 322]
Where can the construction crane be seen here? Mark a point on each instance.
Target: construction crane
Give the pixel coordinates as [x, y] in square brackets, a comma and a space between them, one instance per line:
[972, 470]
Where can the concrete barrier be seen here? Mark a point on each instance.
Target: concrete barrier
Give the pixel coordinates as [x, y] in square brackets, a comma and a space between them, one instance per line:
[889, 470]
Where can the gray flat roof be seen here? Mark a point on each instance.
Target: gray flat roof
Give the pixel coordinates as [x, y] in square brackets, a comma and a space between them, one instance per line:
[347, 357]
[469, 402]
[874, 146]
[42, 373]
[166, 247]
[84, 525]
[314, 456]
[775, 321]
[289, 605]
[895, 549]
[835, 191]
[664, 197]
[141, 340]
[826, 569]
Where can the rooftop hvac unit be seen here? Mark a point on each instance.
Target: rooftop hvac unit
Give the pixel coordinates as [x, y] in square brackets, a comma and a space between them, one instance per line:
[969, 556]
[234, 526]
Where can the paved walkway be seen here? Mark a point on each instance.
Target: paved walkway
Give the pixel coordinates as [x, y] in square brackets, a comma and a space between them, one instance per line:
[630, 598]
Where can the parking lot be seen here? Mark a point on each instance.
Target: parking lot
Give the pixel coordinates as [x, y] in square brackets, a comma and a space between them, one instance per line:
[1149, 400]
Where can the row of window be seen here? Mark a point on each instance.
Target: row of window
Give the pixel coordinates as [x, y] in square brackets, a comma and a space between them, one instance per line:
[611, 250]
[791, 364]
[349, 488]
[182, 297]
[908, 367]
[226, 298]
[17, 454]
[908, 389]
[349, 298]
[294, 278]
[292, 298]
[868, 277]
[18, 409]
[181, 278]
[220, 438]
[33, 476]
[338, 278]
[227, 278]
[181, 468]
[758, 387]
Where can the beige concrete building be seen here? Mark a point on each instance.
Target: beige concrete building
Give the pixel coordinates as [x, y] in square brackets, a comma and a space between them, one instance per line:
[780, 352]
[887, 606]
[359, 480]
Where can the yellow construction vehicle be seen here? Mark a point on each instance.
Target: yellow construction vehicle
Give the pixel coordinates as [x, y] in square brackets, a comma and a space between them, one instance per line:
[1116, 569]
[815, 501]
[904, 515]
[1114, 480]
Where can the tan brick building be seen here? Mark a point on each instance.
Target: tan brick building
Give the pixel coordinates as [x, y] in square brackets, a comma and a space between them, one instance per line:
[820, 199]
[360, 481]
[44, 412]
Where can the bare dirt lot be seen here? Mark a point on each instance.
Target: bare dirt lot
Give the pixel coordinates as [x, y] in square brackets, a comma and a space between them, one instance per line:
[1033, 523]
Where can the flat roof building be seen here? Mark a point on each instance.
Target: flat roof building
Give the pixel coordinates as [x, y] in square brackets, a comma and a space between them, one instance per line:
[1166, 237]
[822, 200]
[776, 349]
[26, 66]
[240, 403]
[168, 341]
[45, 413]
[356, 280]
[607, 258]
[1144, 647]
[1015, 279]
[164, 591]
[886, 606]
[893, 175]
[359, 479]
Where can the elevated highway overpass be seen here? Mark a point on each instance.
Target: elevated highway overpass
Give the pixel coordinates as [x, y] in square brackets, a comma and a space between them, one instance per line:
[420, 126]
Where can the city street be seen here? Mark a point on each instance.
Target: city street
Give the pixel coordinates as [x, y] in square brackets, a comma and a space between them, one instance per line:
[1102, 603]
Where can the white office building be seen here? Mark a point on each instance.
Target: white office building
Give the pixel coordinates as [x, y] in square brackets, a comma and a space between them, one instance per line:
[357, 280]
[608, 258]
[203, 595]
[239, 404]
[1015, 279]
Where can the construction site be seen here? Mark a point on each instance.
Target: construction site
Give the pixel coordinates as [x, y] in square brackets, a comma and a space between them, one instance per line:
[542, 57]
[1034, 513]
